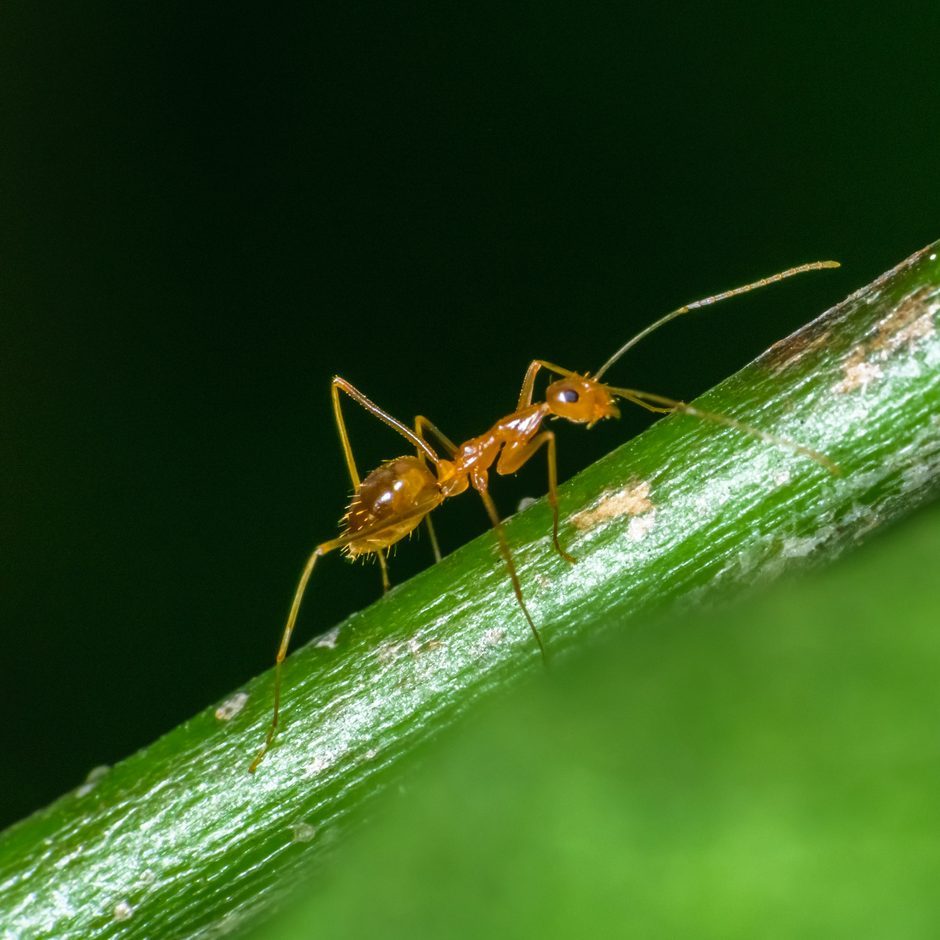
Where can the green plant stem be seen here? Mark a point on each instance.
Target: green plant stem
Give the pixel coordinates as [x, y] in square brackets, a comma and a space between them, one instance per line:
[179, 840]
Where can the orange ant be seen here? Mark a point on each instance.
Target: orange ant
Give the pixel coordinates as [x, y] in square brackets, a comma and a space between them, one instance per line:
[394, 498]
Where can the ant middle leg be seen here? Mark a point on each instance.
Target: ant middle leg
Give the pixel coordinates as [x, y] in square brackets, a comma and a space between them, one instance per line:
[512, 458]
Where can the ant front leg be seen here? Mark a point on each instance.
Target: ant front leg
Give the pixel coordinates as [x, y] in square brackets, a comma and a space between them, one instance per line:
[552, 458]
[512, 458]
[662, 405]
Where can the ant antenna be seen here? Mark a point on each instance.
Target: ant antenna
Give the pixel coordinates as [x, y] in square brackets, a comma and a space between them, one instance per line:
[708, 301]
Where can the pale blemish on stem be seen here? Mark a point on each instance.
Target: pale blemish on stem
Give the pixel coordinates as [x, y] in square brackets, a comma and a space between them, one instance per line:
[232, 706]
[630, 500]
[494, 636]
[857, 371]
[641, 526]
[905, 327]
[489, 640]
[328, 640]
[389, 652]
[123, 911]
[911, 322]
[91, 781]
[320, 763]
[303, 832]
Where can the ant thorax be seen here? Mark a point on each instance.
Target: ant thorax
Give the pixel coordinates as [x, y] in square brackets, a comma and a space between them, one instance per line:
[475, 457]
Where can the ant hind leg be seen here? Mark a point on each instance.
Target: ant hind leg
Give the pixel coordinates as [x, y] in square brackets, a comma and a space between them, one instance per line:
[315, 555]
[506, 552]
[383, 566]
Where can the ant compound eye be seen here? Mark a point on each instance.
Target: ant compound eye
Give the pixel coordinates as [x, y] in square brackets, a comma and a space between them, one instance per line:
[569, 395]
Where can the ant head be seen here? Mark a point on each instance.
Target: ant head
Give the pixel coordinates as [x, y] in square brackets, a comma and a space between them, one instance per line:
[580, 399]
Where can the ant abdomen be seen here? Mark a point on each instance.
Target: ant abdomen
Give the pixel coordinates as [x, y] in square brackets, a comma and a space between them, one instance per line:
[390, 502]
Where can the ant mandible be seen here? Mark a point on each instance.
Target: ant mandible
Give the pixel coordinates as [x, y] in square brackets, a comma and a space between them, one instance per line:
[393, 499]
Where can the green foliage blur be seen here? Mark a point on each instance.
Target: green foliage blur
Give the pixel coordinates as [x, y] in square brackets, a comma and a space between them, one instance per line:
[764, 770]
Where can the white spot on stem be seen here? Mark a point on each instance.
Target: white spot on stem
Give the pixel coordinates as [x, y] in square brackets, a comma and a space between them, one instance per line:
[902, 329]
[320, 763]
[858, 373]
[639, 527]
[232, 706]
[91, 781]
[328, 640]
[303, 832]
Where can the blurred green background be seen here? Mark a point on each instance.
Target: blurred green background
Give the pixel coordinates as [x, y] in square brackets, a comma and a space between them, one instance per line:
[205, 212]
[768, 770]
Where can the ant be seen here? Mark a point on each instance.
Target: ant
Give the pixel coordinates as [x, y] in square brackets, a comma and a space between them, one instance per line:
[392, 500]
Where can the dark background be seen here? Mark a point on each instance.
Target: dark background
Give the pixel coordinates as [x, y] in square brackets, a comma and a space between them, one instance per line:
[206, 211]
